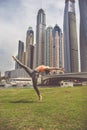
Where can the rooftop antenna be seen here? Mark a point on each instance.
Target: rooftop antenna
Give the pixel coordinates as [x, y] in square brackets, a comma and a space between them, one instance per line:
[41, 3]
[44, 4]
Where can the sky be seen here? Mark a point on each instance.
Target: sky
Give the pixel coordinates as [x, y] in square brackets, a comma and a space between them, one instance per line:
[15, 18]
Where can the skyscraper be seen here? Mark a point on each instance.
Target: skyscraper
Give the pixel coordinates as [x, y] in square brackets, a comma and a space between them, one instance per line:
[31, 56]
[62, 50]
[20, 52]
[57, 47]
[49, 46]
[40, 38]
[34, 57]
[83, 34]
[70, 38]
[29, 43]
[0, 74]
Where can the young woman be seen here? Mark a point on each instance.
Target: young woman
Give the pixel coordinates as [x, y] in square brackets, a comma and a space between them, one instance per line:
[33, 74]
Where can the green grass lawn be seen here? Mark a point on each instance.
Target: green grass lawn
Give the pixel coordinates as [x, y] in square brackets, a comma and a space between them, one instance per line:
[61, 109]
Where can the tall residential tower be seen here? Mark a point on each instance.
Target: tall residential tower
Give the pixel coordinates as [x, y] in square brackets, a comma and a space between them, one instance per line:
[20, 53]
[49, 46]
[70, 38]
[40, 38]
[57, 47]
[29, 46]
[83, 34]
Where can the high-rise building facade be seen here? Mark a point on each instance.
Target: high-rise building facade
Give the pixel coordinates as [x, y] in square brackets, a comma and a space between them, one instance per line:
[62, 50]
[31, 56]
[57, 47]
[49, 46]
[83, 34]
[34, 57]
[29, 44]
[20, 52]
[0, 74]
[70, 38]
[40, 38]
[24, 58]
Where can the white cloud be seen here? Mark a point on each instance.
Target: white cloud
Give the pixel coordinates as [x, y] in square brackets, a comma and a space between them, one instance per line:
[15, 18]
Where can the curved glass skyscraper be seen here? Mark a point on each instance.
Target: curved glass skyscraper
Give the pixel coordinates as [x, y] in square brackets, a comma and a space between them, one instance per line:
[29, 44]
[83, 34]
[49, 46]
[70, 38]
[57, 47]
[41, 38]
[20, 53]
